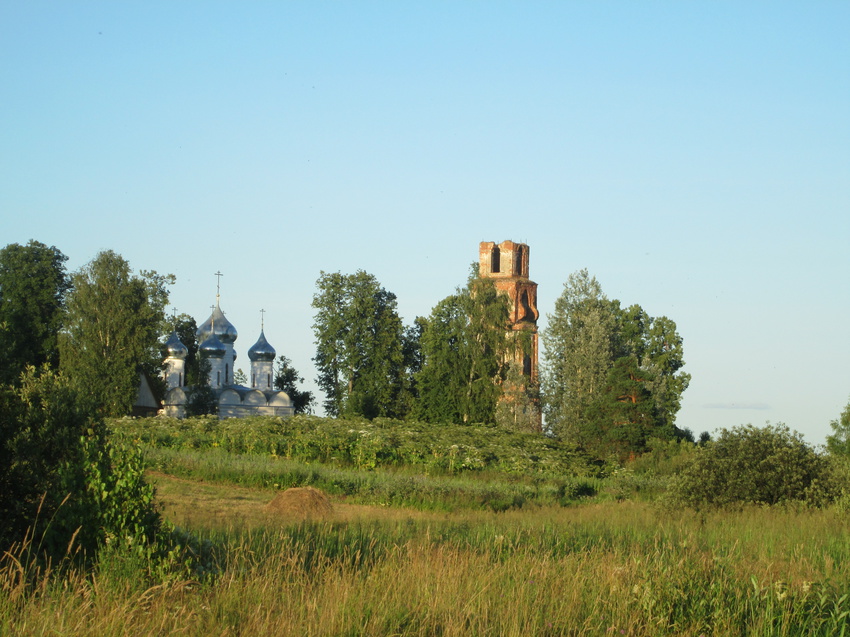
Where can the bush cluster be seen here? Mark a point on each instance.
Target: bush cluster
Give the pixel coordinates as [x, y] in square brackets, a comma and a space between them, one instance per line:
[756, 465]
[64, 485]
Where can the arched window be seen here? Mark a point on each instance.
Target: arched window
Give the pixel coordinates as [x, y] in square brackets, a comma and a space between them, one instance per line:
[518, 269]
[496, 260]
[269, 381]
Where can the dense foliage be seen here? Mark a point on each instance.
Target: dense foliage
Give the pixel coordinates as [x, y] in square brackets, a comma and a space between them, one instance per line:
[33, 284]
[112, 328]
[757, 465]
[287, 379]
[360, 348]
[611, 375]
[365, 444]
[838, 443]
[464, 346]
[63, 483]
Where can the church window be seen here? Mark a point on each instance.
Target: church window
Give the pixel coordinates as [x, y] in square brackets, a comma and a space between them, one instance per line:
[526, 365]
[268, 380]
[495, 260]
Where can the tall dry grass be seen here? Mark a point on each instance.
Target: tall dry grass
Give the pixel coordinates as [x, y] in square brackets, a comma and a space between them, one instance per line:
[607, 569]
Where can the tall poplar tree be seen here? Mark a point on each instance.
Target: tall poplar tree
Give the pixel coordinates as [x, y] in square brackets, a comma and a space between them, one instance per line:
[112, 326]
[359, 346]
[33, 284]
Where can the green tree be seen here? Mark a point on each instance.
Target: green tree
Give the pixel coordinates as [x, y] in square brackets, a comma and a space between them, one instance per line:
[623, 418]
[660, 352]
[758, 465]
[838, 444]
[612, 376]
[579, 349]
[464, 346]
[33, 284]
[287, 379]
[359, 347]
[112, 327]
[200, 397]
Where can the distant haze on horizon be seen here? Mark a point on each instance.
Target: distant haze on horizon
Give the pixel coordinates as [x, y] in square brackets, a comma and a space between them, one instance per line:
[694, 157]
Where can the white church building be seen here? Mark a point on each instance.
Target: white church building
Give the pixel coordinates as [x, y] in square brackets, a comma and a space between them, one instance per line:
[216, 338]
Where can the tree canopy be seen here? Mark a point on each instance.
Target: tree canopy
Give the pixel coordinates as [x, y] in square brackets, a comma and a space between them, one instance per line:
[464, 345]
[838, 443]
[113, 323]
[287, 379]
[611, 376]
[360, 351]
[33, 284]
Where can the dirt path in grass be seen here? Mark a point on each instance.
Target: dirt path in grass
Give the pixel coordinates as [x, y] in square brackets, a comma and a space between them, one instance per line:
[195, 503]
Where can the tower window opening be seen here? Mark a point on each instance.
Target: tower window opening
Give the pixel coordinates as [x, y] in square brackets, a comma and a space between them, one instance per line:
[518, 263]
[268, 380]
[495, 260]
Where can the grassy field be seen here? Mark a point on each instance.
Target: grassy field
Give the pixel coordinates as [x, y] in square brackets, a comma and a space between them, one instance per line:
[550, 564]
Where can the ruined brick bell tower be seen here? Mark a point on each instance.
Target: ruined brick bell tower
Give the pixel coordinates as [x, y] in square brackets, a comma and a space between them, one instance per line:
[506, 264]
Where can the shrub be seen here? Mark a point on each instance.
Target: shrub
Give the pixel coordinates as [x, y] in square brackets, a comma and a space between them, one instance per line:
[759, 465]
[63, 484]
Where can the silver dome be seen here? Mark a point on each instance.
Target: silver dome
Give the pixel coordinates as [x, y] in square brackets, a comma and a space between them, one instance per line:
[261, 350]
[224, 329]
[174, 347]
[213, 347]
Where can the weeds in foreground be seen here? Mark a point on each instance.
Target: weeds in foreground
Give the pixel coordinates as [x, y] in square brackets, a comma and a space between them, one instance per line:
[605, 569]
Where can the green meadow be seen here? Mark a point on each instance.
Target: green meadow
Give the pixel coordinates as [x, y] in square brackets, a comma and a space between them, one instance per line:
[433, 531]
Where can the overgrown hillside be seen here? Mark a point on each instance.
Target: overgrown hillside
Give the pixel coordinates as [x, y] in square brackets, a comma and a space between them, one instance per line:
[379, 462]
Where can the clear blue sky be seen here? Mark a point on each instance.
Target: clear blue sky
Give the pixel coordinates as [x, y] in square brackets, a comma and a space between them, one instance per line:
[694, 156]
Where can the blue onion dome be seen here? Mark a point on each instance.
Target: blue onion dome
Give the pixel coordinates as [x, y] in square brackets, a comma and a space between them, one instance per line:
[174, 347]
[224, 329]
[261, 350]
[212, 347]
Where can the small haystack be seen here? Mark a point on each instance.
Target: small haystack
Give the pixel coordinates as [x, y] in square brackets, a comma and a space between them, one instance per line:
[300, 503]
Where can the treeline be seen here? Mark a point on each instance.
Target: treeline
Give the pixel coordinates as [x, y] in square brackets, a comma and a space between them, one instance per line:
[610, 380]
[611, 376]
